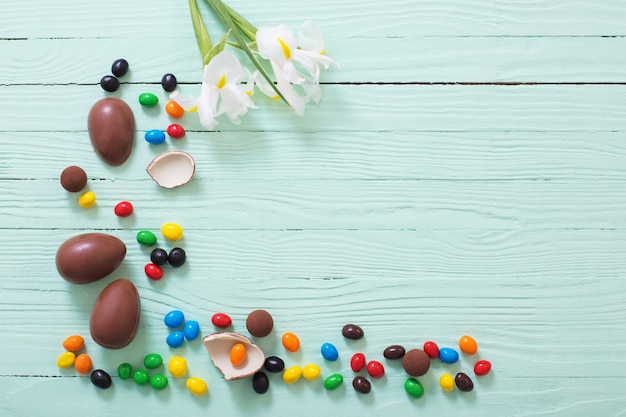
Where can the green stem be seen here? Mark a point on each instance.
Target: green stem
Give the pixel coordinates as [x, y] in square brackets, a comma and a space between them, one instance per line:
[244, 24]
[202, 36]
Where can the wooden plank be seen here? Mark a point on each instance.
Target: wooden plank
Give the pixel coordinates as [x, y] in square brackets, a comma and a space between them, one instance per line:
[35, 19]
[339, 156]
[349, 108]
[398, 59]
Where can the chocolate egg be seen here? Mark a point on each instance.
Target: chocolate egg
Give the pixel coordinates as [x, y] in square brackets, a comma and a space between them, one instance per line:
[115, 315]
[111, 126]
[89, 257]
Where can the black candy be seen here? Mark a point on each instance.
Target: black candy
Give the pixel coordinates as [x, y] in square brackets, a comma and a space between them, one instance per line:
[260, 383]
[100, 379]
[119, 67]
[109, 83]
[274, 364]
[362, 385]
[352, 331]
[177, 257]
[394, 352]
[169, 82]
[463, 382]
[159, 256]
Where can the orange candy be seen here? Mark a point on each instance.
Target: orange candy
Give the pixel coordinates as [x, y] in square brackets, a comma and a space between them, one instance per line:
[237, 354]
[82, 363]
[291, 342]
[174, 109]
[468, 345]
[73, 343]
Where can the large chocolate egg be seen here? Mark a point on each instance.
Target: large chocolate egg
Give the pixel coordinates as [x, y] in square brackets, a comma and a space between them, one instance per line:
[89, 257]
[115, 315]
[111, 126]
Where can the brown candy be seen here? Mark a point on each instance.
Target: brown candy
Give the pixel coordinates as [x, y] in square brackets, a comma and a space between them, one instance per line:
[463, 382]
[259, 323]
[362, 385]
[89, 257]
[73, 179]
[115, 315]
[352, 331]
[416, 362]
[394, 352]
[111, 126]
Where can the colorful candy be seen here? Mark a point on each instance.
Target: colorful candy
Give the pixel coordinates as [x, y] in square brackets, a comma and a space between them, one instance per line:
[352, 331]
[109, 83]
[292, 374]
[260, 382]
[290, 342]
[191, 329]
[463, 382]
[174, 109]
[175, 339]
[119, 67]
[82, 364]
[169, 82]
[66, 359]
[158, 256]
[375, 369]
[177, 257]
[414, 388]
[468, 345]
[274, 364]
[152, 361]
[174, 318]
[431, 349]
[482, 367]
[361, 385]
[237, 354]
[73, 343]
[87, 199]
[448, 355]
[154, 136]
[446, 382]
[221, 320]
[176, 131]
[125, 371]
[141, 377]
[177, 366]
[357, 363]
[333, 382]
[329, 352]
[311, 372]
[172, 231]
[100, 379]
[148, 99]
[123, 209]
[158, 381]
[197, 386]
[152, 271]
[394, 352]
[146, 238]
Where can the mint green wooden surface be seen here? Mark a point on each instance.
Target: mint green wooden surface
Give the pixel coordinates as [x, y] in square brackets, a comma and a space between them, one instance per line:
[465, 173]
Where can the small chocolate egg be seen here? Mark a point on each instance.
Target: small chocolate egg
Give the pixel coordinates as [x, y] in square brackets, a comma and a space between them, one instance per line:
[89, 257]
[73, 179]
[416, 362]
[259, 323]
[115, 315]
[111, 126]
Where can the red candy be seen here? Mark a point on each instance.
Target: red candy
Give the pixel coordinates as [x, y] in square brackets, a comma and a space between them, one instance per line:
[375, 369]
[153, 271]
[221, 320]
[176, 131]
[482, 367]
[123, 209]
[357, 363]
[431, 349]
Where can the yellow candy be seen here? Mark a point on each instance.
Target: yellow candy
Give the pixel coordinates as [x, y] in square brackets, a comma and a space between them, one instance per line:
[446, 381]
[66, 360]
[292, 374]
[197, 386]
[311, 372]
[87, 199]
[172, 231]
[177, 366]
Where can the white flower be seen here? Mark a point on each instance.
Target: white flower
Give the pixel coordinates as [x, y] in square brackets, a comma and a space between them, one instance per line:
[221, 92]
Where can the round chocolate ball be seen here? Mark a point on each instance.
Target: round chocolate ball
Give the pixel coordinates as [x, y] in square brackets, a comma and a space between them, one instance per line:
[416, 362]
[73, 179]
[259, 323]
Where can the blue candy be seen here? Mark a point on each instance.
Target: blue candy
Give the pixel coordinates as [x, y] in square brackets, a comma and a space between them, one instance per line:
[448, 355]
[154, 136]
[191, 330]
[329, 352]
[175, 339]
[174, 319]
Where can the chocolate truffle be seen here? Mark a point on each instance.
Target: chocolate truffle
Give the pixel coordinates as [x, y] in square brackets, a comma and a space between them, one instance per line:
[416, 362]
[73, 179]
[259, 323]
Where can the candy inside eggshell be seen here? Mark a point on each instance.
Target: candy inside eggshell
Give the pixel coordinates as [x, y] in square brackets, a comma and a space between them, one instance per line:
[172, 169]
[219, 346]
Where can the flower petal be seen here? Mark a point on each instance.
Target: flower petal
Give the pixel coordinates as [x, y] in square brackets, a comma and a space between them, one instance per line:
[207, 106]
[276, 42]
[189, 103]
[311, 37]
[224, 68]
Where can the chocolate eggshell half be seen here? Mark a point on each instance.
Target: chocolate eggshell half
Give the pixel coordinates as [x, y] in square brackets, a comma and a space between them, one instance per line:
[89, 257]
[115, 315]
[111, 126]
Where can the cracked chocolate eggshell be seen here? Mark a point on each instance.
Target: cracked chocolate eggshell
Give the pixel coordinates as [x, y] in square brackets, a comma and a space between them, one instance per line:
[172, 169]
[115, 315]
[219, 345]
[111, 126]
[89, 257]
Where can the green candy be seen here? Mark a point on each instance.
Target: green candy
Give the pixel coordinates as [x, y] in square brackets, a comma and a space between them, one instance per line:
[414, 388]
[146, 237]
[158, 381]
[141, 377]
[333, 381]
[153, 361]
[125, 371]
[148, 99]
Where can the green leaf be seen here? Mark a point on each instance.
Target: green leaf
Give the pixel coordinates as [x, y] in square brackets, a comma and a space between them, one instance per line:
[216, 49]
[246, 27]
[220, 9]
[202, 36]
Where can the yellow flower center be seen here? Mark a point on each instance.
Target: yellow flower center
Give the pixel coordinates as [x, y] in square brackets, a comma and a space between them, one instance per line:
[222, 82]
[286, 49]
